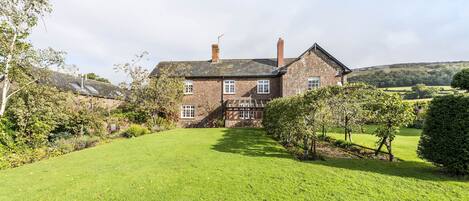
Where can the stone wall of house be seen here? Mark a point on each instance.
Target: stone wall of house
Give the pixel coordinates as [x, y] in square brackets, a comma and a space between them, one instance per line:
[312, 64]
[207, 97]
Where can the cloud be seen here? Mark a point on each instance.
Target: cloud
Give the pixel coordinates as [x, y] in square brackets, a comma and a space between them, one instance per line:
[98, 34]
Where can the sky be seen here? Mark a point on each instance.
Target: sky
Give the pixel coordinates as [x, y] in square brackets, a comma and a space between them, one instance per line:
[96, 34]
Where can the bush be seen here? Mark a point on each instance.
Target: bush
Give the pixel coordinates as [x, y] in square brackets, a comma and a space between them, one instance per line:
[75, 143]
[160, 124]
[445, 137]
[343, 144]
[135, 130]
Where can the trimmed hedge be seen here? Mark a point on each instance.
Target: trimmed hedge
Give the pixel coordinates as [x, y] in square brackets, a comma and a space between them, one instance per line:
[445, 137]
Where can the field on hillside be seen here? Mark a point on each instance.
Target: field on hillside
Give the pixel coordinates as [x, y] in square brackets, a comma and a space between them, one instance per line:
[224, 164]
[408, 74]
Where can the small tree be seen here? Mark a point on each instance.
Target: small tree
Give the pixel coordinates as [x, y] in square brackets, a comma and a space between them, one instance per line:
[461, 80]
[151, 98]
[391, 113]
[348, 104]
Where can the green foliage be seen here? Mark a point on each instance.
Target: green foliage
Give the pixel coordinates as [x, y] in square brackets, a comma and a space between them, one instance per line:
[461, 80]
[67, 145]
[343, 143]
[160, 124]
[445, 137]
[420, 110]
[295, 120]
[433, 74]
[93, 76]
[135, 130]
[421, 91]
[34, 114]
[82, 117]
[151, 98]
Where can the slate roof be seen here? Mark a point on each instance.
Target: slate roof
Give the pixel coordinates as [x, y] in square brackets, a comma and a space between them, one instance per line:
[234, 67]
[72, 83]
[225, 68]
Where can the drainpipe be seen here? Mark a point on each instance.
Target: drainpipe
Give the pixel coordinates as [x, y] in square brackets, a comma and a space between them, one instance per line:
[221, 99]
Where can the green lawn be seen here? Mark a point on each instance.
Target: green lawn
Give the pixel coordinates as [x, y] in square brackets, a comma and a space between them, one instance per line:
[404, 145]
[220, 164]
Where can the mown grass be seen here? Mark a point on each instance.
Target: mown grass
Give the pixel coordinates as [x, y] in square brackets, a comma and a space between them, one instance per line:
[404, 145]
[220, 164]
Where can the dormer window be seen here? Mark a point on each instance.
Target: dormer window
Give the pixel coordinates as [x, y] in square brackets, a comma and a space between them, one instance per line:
[188, 87]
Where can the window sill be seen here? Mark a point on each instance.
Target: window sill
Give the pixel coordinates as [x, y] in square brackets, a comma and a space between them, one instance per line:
[187, 118]
[228, 93]
[188, 93]
[263, 93]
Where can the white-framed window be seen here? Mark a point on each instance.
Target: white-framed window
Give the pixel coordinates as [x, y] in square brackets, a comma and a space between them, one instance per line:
[263, 86]
[314, 83]
[245, 113]
[229, 87]
[187, 111]
[188, 87]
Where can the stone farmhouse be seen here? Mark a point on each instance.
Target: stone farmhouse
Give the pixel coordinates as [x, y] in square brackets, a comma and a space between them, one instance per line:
[236, 90]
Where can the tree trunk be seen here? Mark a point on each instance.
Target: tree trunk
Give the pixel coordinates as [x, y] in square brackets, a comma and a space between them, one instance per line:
[380, 145]
[346, 128]
[6, 83]
[306, 147]
[6, 80]
[391, 156]
[313, 148]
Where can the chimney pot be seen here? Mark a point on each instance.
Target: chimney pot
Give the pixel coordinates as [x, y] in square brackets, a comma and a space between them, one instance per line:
[280, 47]
[215, 53]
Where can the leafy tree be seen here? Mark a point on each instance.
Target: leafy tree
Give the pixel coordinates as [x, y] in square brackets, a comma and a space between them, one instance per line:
[17, 19]
[34, 114]
[461, 80]
[151, 98]
[391, 113]
[93, 76]
[445, 137]
[348, 105]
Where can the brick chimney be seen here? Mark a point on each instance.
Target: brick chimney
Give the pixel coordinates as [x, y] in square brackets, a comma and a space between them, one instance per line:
[280, 46]
[215, 53]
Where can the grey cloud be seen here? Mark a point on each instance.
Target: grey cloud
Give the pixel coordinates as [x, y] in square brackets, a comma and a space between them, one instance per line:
[98, 34]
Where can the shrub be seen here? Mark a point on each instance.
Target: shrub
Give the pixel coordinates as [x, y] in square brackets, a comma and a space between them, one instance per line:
[343, 143]
[445, 137]
[135, 130]
[75, 143]
[160, 124]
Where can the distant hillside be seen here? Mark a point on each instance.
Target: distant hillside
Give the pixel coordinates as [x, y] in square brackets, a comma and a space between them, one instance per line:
[408, 74]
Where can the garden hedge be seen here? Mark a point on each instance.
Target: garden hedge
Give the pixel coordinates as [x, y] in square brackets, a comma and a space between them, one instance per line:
[445, 137]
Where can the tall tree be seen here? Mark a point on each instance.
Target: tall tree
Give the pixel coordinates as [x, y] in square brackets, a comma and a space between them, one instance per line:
[156, 97]
[17, 19]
